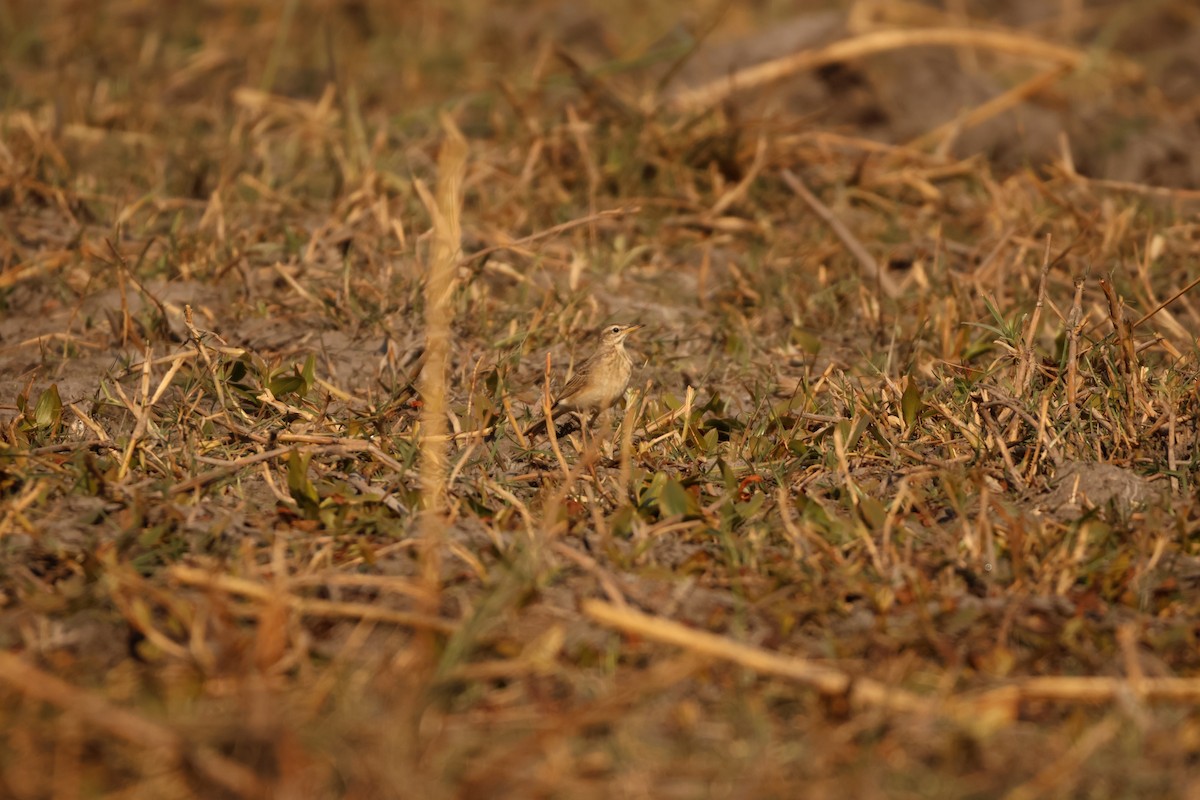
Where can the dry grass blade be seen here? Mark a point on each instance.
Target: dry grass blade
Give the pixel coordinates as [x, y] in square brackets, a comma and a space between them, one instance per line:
[556, 230]
[190, 576]
[826, 680]
[595, 87]
[1025, 374]
[1075, 324]
[1124, 334]
[1089, 689]
[512, 755]
[342, 447]
[1169, 193]
[551, 426]
[137, 730]
[1150, 314]
[146, 405]
[738, 191]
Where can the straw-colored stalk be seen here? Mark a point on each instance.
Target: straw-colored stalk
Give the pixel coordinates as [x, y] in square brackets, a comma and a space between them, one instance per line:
[445, 253]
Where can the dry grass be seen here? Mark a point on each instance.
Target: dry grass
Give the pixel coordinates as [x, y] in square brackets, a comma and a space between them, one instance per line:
[901, 502]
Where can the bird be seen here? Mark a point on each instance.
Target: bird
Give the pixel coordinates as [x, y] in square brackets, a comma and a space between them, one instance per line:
[600, 380]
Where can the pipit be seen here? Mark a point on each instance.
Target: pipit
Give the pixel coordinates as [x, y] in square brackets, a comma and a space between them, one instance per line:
[599, 382]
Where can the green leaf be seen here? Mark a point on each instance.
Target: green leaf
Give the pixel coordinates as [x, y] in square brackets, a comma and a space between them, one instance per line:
[798, 448]
[150, 537]
[727, 475]
[47, 413]
[675, 500]
[621, 521]
[715, 405]
[751, 507]
[911, 403]
[299, 486]
[872, 512]
[285, 385]
[806, 341]
[654, 487]
[852, 430]
[309, 373]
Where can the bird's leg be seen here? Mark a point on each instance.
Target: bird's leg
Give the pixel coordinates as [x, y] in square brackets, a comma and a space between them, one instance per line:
[590, 428]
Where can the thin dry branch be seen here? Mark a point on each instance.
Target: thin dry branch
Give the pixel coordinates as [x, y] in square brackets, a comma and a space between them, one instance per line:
[870, 266]
[612, 213]
[309, 607]
[867, 44]
[826, 680]
[1169, 193]
[738, 191]
[1102, 689]
[339, 446]
[1191, 285]
[594, 87]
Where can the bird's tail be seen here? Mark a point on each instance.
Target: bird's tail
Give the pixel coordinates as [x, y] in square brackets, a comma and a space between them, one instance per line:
[537, 427]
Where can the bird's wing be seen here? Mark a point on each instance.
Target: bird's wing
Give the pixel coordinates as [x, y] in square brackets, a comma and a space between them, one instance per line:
[573, 386]
[577, 382]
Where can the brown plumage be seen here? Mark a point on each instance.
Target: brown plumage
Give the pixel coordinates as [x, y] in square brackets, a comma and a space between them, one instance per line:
[599, 382]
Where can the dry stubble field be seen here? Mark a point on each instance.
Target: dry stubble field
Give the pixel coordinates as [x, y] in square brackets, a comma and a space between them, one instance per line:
[901, 499]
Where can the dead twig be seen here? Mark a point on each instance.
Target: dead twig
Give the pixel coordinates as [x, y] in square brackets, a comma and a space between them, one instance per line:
[612, 213]
[870, 266]
[712, 93]
[1025, 371]
[305, 606]
[1124, 334]
[826, 680]
[1075, 321]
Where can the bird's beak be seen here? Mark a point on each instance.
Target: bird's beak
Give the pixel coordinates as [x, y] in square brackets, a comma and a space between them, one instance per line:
[633, 328]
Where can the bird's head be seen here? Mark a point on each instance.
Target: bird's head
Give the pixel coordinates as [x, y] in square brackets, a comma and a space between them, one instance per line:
[615, 334]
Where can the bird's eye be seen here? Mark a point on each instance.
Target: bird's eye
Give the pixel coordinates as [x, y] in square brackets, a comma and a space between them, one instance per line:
[615, 329]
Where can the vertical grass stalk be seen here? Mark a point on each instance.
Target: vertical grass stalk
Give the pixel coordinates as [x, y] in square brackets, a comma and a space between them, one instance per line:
[446, 249]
